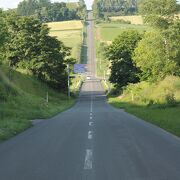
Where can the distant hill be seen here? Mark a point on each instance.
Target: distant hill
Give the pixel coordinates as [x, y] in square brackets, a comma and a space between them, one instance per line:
[133, 19]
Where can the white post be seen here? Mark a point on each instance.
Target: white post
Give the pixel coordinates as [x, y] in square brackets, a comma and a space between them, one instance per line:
[104, 75]
[47, 98]
[132, 96]
[68, 81]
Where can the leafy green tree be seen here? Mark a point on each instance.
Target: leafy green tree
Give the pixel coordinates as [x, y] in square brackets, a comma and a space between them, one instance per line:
[103, 8]
[27, 7]
[32, 48]
[3, 34]
[82, 10]
[123, 69]
[172, 39]
[159, 13]
[3, 29]
[152, 58]
[48, 12]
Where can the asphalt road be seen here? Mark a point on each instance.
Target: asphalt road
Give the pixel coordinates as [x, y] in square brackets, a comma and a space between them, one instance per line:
[91, 141]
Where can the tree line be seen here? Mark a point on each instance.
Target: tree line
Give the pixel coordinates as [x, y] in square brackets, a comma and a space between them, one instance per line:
[149, 56]
[25, 43]
[49, 12]
[101, 8]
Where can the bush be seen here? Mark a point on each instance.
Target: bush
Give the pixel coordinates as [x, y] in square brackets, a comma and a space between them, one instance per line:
[6, 88]
[122, 21]
[165, 92]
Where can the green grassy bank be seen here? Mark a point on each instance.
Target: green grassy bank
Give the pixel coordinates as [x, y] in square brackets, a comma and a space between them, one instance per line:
[158, 103]
[23, 98]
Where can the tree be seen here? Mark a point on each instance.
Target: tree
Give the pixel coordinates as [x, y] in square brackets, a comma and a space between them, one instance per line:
[82, 10]
[123, 69]
[32, 48]
[3, 33]
[103, 8]
[48, 12]
[159, 13]
[27, 7]
[172, 39]
[3, 29]
[152, 58]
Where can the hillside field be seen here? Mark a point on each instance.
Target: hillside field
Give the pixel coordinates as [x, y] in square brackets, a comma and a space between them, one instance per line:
[132, 19]
[70, 33]
[149, 101]
[109, 31]
[23, 98]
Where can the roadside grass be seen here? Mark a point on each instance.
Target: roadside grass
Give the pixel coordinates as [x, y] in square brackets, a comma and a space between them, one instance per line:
[70, 33]
[157, 103]
[23, 98]
[167, 118]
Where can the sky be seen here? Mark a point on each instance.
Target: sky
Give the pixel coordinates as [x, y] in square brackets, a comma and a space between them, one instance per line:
[13, 3]
[6, 4]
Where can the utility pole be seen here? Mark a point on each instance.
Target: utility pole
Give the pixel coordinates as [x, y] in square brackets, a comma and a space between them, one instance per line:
[68, 71]
[47, 98]
[104, 75]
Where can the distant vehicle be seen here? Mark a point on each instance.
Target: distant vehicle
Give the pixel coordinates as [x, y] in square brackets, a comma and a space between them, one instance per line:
[88, 77]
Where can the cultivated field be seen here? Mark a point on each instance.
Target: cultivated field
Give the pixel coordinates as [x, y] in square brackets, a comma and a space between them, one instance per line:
[109, 31]
[132, 19]
[66, 25]
[70, 33]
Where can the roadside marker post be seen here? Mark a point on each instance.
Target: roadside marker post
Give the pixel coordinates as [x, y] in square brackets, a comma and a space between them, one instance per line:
[68, 81]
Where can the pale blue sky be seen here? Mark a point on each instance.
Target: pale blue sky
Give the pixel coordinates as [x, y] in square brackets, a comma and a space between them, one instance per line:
[13, 3]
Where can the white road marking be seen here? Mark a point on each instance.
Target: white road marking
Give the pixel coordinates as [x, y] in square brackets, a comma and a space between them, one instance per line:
[88, 159]
[91, 109]
[91, 106]
[90, 135]
[90, 123]
[90, 117]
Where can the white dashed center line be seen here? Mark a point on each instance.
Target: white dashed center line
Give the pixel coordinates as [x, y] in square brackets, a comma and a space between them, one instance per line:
[88, 159]
[90, 123]
[90, 135]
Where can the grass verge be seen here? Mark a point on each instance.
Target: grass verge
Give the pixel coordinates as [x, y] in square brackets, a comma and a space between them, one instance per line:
[167, 118]
[23, 98]
[157, 103]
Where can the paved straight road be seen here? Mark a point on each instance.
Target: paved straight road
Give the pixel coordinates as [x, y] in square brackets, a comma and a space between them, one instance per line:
[91, 141]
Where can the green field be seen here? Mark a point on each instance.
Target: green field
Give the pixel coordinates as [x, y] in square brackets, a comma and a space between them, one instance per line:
[109, 31]
[23, 98]
[133, 19]
[70, 33]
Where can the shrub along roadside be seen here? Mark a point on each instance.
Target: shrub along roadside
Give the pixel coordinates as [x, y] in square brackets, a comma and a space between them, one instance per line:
[157, 103]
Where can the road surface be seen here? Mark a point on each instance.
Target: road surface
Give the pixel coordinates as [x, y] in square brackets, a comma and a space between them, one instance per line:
[91, 141]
